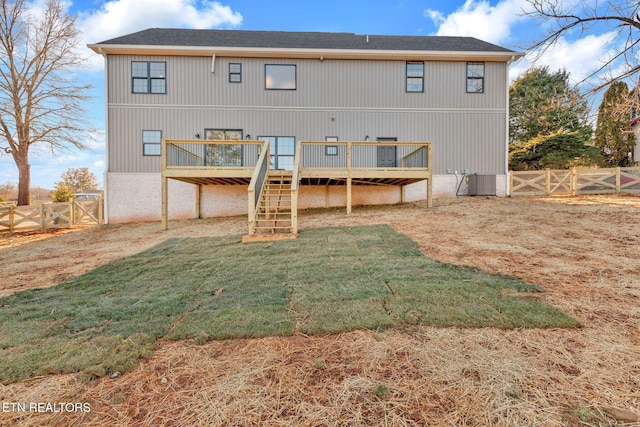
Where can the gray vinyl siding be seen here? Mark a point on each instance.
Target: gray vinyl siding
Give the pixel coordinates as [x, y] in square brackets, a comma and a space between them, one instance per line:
[348, 99]
[328, 83]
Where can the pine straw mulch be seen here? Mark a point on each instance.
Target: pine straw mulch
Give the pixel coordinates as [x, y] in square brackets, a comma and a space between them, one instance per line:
[583, 251]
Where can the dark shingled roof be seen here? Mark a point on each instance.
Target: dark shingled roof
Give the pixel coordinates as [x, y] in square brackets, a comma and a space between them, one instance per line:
[296, 40]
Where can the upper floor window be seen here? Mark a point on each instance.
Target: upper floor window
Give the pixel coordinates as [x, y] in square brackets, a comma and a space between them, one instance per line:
[475, 77]
[148, 77]
[151, 140]
[415, 76]
[280, 77]
[235, 72]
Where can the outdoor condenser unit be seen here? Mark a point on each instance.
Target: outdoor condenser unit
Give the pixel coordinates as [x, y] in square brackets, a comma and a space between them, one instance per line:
[481, 185]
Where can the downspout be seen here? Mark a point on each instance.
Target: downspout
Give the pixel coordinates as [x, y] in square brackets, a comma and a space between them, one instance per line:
[506, 145]
[105, 193]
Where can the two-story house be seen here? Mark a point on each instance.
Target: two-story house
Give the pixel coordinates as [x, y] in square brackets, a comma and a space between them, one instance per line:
[289, 87]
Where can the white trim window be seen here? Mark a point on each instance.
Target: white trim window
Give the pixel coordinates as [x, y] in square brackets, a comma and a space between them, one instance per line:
[148, 77]
[415, 76]
[280, 77]
[151, 140]
[475, 77]
[235, 72]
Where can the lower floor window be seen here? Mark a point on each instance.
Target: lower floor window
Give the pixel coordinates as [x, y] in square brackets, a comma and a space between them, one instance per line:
[151, 140]
[223, 154]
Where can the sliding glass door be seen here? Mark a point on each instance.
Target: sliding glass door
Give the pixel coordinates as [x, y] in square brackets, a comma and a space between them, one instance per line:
[282, 151]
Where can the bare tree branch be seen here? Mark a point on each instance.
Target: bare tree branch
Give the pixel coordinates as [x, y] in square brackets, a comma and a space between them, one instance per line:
[620, 17]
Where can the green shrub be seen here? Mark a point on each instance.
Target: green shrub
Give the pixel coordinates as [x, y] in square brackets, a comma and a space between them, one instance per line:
[61, 193]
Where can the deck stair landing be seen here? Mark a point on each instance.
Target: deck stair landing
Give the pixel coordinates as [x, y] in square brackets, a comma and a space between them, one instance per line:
[274, 214]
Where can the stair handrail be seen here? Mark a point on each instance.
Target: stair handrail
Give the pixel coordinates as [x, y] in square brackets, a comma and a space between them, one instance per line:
[257, 184]
[295, 179]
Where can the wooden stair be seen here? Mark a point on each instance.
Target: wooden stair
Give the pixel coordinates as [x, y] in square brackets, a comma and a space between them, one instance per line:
[274, 216]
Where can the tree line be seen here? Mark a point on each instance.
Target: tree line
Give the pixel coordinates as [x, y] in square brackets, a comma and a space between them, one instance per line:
[550, 126]
[72, 182]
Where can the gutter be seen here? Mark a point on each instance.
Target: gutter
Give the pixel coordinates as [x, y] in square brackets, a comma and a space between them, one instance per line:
[257, 52]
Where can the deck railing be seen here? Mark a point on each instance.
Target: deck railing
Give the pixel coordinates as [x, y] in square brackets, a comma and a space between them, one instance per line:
[348, 155]
[221, 154]
[257, 184]
[418, 158]
[209, 154]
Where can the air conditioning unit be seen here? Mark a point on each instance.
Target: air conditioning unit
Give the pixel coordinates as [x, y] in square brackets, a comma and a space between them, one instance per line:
[481, 185]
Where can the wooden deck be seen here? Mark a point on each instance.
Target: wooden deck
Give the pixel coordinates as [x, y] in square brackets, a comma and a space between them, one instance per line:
[325, 163]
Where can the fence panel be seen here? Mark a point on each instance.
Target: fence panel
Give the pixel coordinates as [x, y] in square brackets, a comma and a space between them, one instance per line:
[26, 218]
[56, 215]
[595, 181]
[630, 180]
[87, 212]
[51, 215]
[528, 183]
[575, 182]
[560, 182]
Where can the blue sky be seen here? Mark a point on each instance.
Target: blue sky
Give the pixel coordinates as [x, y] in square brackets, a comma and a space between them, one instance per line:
[495, 21]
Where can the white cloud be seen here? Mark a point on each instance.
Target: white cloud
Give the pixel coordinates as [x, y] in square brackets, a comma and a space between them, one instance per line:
[580, 57]
[477, 18]
[506, 24]
[120, 17]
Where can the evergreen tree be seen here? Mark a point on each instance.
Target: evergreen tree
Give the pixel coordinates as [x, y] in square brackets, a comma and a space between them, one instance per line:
[62, 193]
[548, 123]
[614, 138]
[556, 151]
[542, 103]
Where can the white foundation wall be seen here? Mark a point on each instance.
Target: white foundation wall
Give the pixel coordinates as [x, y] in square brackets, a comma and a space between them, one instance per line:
[450, 186]
[136, 197]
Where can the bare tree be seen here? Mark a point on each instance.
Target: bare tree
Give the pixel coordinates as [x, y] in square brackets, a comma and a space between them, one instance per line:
[39, 193]
[78, 179]
[621, 17]
[41, 102]
[8, 191]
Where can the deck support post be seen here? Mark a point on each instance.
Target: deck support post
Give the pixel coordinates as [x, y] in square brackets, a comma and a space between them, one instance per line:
[164, 198]
[198, 200]
[403, 194]
[348, 195]
[430, 176]
[349, 148]
[327, 196]
[165, 203]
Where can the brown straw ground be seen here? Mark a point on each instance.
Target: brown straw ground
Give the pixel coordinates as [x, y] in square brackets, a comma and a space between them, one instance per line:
[584, 251]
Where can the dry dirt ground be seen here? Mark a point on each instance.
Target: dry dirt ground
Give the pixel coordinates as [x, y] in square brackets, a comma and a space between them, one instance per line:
[584, 251]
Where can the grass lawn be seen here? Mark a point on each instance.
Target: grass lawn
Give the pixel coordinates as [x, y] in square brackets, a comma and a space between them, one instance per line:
[328, 280]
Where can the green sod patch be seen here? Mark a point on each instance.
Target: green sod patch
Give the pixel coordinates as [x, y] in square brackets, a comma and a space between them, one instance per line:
[328, 280]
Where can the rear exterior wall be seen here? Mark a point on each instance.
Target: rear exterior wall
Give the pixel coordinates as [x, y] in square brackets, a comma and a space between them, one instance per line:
[349, 100]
